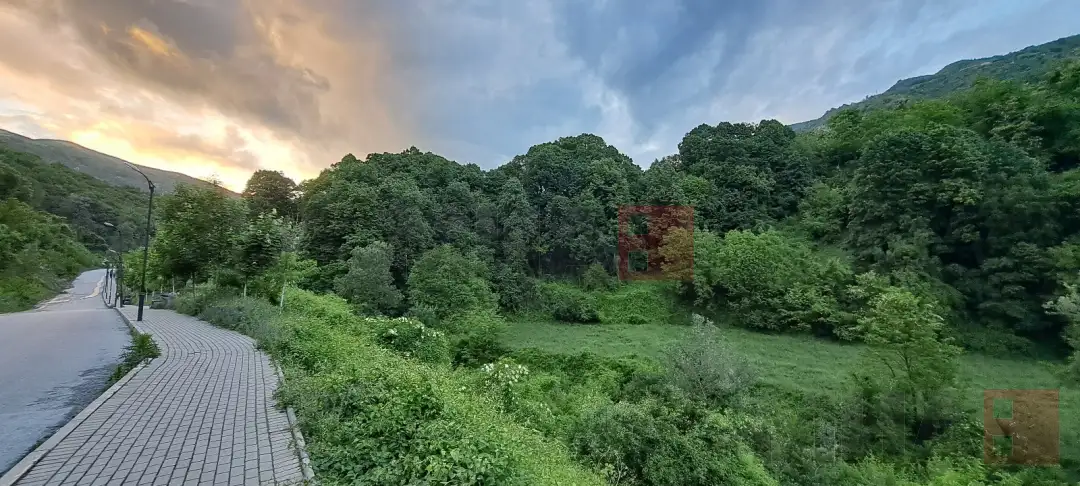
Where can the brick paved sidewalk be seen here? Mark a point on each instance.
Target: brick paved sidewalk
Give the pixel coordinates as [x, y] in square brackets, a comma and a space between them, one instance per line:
[202, 413]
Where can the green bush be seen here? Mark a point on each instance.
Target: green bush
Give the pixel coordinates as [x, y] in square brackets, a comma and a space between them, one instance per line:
[641, 443]
[142, 348]
[595, 278]
[770, 280]
[706, 368]
[39, 254]
[476, 339]
[196, 301]
[372, 416]
[447, 283]
[251, 316]
[641, 303]
[569, 304]
[411, 338]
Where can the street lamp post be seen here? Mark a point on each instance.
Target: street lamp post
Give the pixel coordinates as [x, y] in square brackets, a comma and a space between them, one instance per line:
[120, 268]
[146, 241]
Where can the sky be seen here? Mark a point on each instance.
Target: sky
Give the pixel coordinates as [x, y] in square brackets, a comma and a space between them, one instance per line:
[221, 88]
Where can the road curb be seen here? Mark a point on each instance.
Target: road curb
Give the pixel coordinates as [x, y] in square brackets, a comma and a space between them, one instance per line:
[298, 437]
[23, 466]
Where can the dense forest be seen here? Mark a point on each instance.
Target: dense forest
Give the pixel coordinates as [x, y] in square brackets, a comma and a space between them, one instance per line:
[52, 226]
[852, 292]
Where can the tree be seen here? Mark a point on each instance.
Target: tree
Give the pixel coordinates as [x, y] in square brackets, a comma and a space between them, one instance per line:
[269, 191]
[446, 283]
[259, 246]
[197, 231]
[904, 337]
[1067, 306]
[369, 284]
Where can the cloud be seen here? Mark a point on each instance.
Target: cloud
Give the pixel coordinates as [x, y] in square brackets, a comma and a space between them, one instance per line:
[229, 86]
[198, 86]
[502, 76]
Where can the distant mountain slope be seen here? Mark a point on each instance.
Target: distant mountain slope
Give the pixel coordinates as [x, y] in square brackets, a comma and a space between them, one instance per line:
[1027, 64]
[104, 167]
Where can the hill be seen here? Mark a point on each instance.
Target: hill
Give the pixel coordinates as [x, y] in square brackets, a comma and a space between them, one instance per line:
[1025, 65]
[96, 164]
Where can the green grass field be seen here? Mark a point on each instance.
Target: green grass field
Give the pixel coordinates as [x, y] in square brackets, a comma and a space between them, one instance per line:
[797, 363]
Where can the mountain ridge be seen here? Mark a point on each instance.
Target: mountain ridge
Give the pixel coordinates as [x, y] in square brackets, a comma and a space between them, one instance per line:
[105, 167]
[1023, 65]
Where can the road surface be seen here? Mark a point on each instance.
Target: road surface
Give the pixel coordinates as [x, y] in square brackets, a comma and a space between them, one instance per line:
[54, 361]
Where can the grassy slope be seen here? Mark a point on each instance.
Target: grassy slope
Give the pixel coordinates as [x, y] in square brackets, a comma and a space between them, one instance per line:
[104, 167]
[1025, 65]
[796, 362]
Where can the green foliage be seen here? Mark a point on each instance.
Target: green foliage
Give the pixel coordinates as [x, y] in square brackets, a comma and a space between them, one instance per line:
[449, 284]
[39, 253]
[755, 172]
[197, 233]
[270, 192]
[568, 303]
[596, 278]
[84, 203]
[770, 280]
[1067, 306]
[904, 335]
[258, 246]
[477, 339]
[288, 269]
[411, 338]
[141, 349]
[371, 415]
[708, 369]
[369, 284]
[642, 444]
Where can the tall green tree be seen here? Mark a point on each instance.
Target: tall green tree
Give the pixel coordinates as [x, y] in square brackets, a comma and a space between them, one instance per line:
[258, 246]
[197, 231]
[269, 191]
[369, 283]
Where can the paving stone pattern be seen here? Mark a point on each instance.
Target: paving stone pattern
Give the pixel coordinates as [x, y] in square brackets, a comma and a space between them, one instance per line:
[202, 413]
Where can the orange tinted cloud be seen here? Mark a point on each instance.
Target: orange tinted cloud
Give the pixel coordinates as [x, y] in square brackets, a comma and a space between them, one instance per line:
[152, 42]
[206, 88]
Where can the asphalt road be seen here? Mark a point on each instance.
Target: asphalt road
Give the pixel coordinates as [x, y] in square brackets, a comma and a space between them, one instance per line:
[54, 361]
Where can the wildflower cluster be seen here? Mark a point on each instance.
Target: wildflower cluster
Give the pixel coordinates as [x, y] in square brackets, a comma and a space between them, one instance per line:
[503, 375]
[410, 337]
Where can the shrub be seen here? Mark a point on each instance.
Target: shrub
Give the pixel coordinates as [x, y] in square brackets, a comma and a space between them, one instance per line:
[569, 304]
[641, 303]
[502, 377]
[247, 315]
[411, 338]
[477, 339]
[770, 280]
[596, 277]
[641, 444]
[142, 348]
[449, 283]
[369, 284]
[196, 301]
[516, 288]
[372, 416]
[707, 369]
[322, 306]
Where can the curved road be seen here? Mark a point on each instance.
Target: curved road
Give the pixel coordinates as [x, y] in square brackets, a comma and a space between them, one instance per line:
[54, 360]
